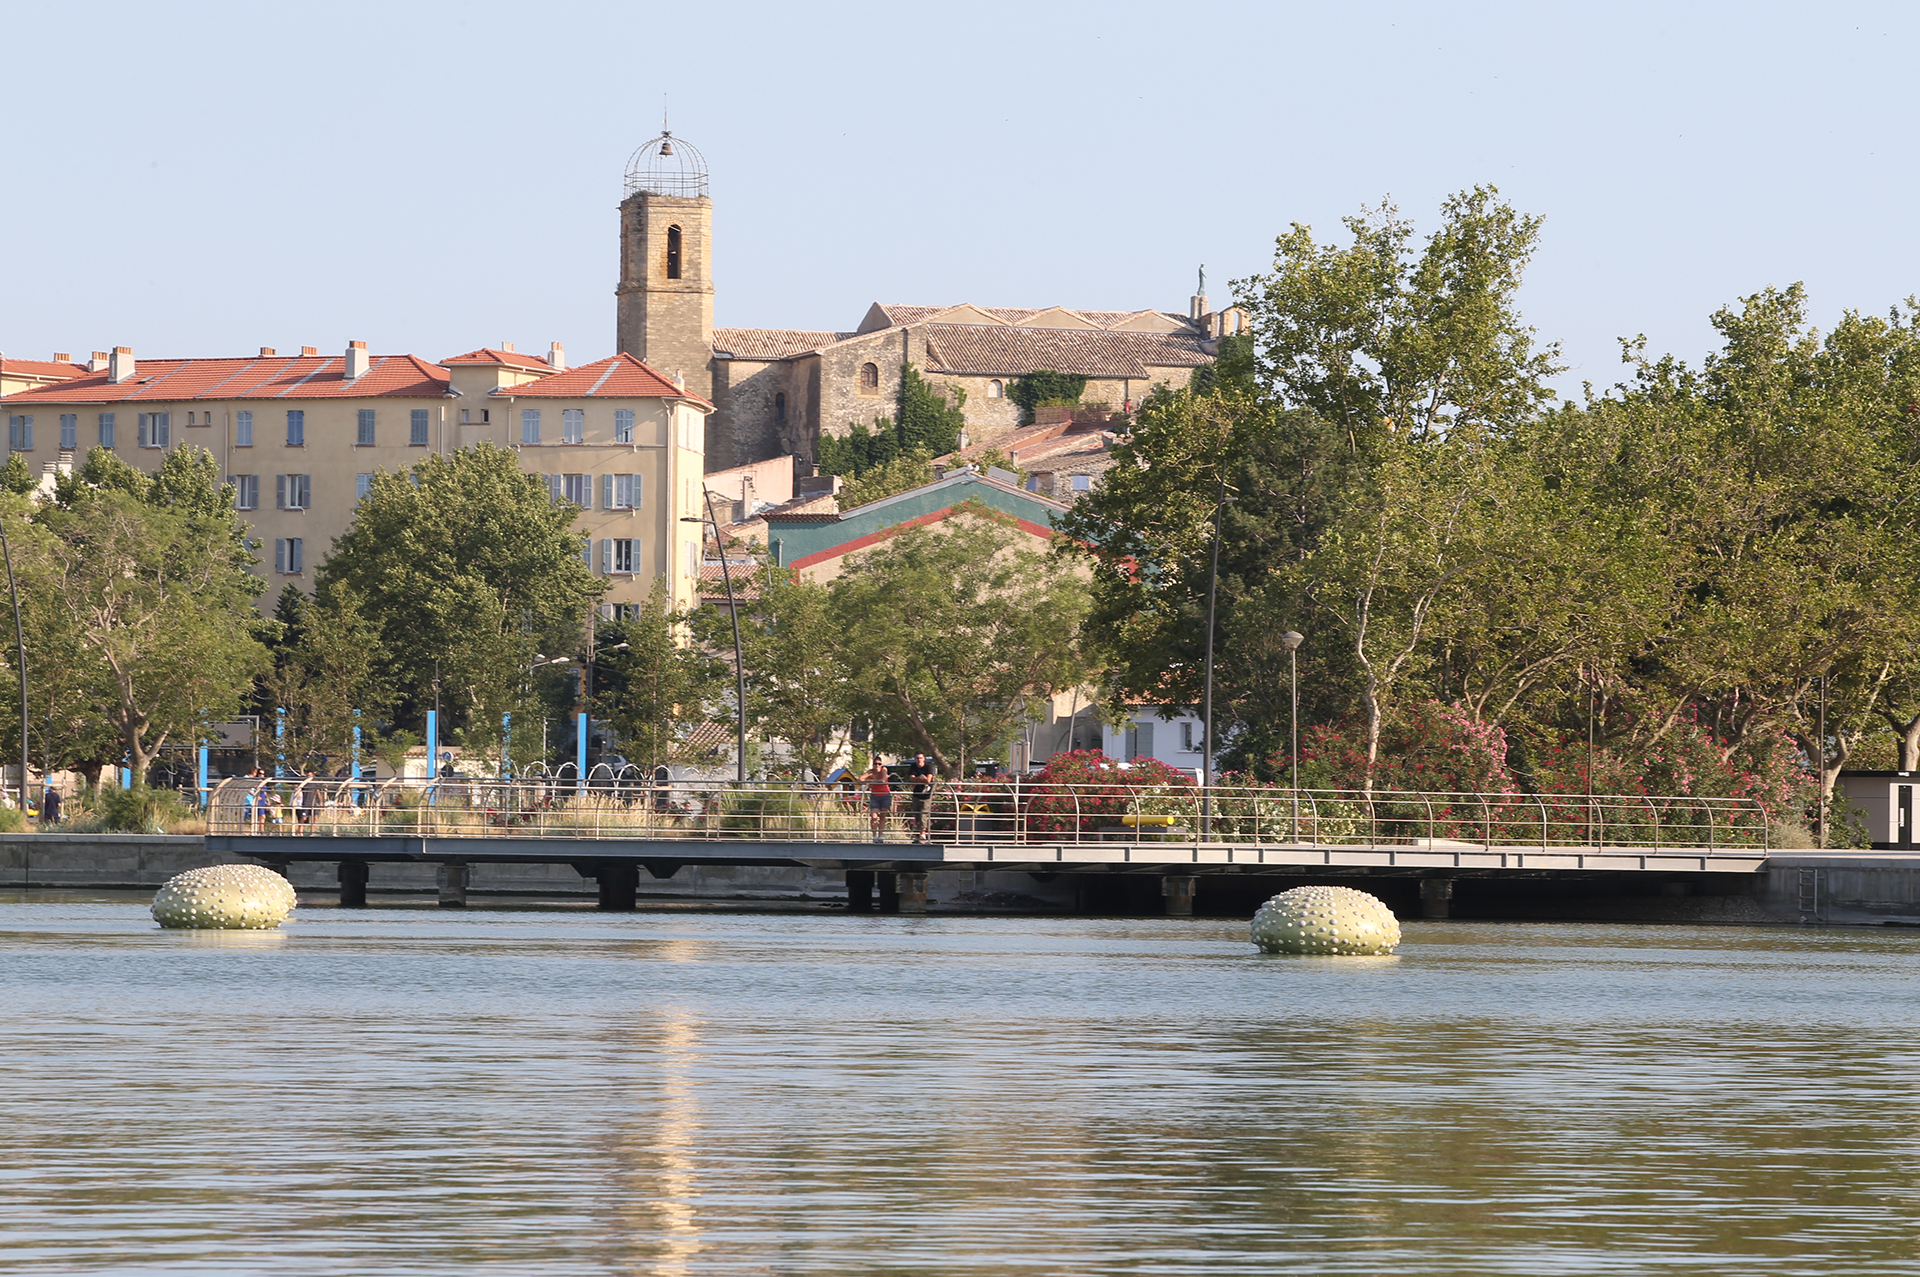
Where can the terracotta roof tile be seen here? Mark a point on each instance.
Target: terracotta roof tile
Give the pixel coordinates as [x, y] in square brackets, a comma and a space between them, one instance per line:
[618, 376]
[1015, 352]
[41, 368]
[770, 343]
[489, 357]
[269, 377]
[903, 315]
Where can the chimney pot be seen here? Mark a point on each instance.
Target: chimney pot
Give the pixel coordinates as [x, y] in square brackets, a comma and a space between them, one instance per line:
[98, 361]
[120, 365]
[507, 346]
[62, 357]
[309, 350]
[266, 352]
[557, 356]
[357, 361]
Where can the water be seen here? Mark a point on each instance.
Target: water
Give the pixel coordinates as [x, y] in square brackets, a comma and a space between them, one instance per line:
[558, 1091]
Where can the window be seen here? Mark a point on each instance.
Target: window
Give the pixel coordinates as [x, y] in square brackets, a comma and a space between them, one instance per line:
[573, 425]
[616, 556]
[243, 429]
[1082, 482]
[466, 416]
[1187, 737]
[69, 431]
[293, 491]
[287, 555]
[362, 485]
[486, 415]
[417, 427]
[365, 438]
[995, 390]
[246, 491]
[296, 428]
[106, 430]
[780, 408]
[623, 425]
[577, 488]
[673, 252]
[620, 491]
[693, 559]
[1139, 740]
[20, 433]
[1033, 483]
[529, 425]
[869, 379]
[156, 429]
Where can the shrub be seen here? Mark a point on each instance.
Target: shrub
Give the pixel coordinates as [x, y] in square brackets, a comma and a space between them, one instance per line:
[1085, 789]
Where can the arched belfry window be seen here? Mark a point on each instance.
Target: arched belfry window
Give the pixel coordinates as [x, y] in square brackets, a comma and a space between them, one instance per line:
[673, 252]
[995, 390]
[869, 379]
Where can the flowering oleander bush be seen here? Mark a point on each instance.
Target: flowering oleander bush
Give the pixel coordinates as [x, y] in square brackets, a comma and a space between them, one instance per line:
[1085, 789]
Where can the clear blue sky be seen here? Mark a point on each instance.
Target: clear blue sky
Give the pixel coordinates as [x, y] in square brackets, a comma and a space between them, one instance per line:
[201, 179]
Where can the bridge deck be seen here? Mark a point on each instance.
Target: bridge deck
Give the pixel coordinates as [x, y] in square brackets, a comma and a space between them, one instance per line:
[1038, 857]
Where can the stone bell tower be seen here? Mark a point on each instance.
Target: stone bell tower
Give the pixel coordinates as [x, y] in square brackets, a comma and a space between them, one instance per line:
[665, 314]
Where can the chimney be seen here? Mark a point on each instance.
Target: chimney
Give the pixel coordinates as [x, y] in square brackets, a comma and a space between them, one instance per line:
[98, 362]
[356, 360]
[679, 381]
[266, 352]
[120, 365]
[507, 346]
[557, 356]
[62, 357]
[307, 351]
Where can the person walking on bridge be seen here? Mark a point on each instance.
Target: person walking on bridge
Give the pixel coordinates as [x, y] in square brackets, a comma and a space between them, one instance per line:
[879, 797]
[920, 775]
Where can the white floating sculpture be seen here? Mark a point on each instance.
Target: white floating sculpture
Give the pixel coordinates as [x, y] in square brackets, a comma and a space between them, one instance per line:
[231, 897]
[1325, 920]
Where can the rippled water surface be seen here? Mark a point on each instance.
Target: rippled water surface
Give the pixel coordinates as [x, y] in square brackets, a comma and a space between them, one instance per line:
[560, 1091]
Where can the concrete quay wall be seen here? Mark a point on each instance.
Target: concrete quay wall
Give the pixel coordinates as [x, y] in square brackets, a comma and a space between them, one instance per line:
[1846, 887]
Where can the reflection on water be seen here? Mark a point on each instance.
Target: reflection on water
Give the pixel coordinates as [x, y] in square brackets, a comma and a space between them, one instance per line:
[567, 1092]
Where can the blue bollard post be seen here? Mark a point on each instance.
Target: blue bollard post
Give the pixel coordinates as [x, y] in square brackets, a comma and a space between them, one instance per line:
[353, 775]
[279, 743]
[433, 744]
[203, 777]
[580, 754]
[506, 746]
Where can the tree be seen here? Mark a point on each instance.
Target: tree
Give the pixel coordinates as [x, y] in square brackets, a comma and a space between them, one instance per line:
[951, 632]
[660, 686]
[1045, 388]
[797, 683]
[902, 474]
[328, 676]
[147, 589]
[463, 567]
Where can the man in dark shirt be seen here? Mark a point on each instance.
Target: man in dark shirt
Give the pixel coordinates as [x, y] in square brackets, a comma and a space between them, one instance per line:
[50, 807]
[920, 775]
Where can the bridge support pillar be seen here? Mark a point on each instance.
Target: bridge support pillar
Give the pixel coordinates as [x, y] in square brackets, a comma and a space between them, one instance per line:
[911, 889]
[453, 886]
[860, 891]
[619, 885]
[889, 884]
[1177, 890]
[1436, 897]
[353, 884]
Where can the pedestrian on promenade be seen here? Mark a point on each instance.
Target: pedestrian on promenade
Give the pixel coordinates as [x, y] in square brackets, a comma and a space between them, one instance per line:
[307, 799]
[920, 775]
[50, 807]
[879, 798]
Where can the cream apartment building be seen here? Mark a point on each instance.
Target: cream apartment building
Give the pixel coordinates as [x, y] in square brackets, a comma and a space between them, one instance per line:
[301, 436]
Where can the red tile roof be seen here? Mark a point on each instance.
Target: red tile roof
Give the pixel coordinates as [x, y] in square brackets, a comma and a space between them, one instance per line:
[618, 376]
[1015, 352]
[490, 357]
[770, 343]
[41, 368]
[262, 377]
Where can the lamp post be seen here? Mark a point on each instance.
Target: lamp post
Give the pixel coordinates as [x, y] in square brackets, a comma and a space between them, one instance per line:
[20, 653]
[1292, 640]
[739, 666]
[1206, 711]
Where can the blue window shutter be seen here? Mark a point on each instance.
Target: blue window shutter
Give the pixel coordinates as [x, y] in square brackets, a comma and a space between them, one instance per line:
[162, 429]
[606, 556]
[294, 546]
[146, 428]
[586, 492]
[606, 492]
[280, 554]
[279, 492]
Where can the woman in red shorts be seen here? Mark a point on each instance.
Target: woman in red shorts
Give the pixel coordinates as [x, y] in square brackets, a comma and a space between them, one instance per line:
[879, 798]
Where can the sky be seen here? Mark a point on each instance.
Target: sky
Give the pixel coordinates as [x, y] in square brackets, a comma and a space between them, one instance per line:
[204, 179]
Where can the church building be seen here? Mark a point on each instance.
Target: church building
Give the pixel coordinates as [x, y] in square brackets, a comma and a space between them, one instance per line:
[775, 391]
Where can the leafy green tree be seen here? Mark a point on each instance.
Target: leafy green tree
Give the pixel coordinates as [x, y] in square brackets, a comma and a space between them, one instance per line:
[661, 686]
[950, 632]
[797, 683]
[1044, 389]
[463, 568]
[328, 668]
[16, 477]
[902, 474]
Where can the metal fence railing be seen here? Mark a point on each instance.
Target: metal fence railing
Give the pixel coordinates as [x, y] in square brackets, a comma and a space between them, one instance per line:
[1001, 811]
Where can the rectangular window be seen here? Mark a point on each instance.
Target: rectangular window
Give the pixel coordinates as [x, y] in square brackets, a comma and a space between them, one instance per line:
[1083, 483]
[620, 492]
[20, 433]
[106, 430]
[417, 428]
[573, 425]
[1186, 738]
[296, 428]
[156, 429]
[622, 554]
[293, 491]
[362, 485]
[69, 431]
[623, 425]
[577, 488]
[365, 438]
[246, 491]
[529, 425]
[243, 428]
[287, 555]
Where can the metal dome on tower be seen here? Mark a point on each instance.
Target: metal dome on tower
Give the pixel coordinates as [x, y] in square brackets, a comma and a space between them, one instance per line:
[668, 165]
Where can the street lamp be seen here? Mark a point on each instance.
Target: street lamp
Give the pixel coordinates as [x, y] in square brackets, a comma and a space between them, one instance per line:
[1206, 713]
[593, 654]
[739, 666]
[20, 651]
[1292, 640]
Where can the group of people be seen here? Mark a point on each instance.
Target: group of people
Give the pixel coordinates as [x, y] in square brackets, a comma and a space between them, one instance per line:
[264, 804]
[919, 776]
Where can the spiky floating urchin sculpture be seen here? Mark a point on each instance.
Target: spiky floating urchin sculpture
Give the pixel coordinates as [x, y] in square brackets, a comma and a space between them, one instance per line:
[228, 897]
[1325, 920]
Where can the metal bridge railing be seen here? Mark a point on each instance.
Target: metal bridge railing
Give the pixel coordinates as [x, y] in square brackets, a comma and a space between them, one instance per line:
[630, 805]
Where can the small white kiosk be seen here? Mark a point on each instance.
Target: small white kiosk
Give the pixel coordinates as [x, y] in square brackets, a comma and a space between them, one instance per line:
[1886, 801]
